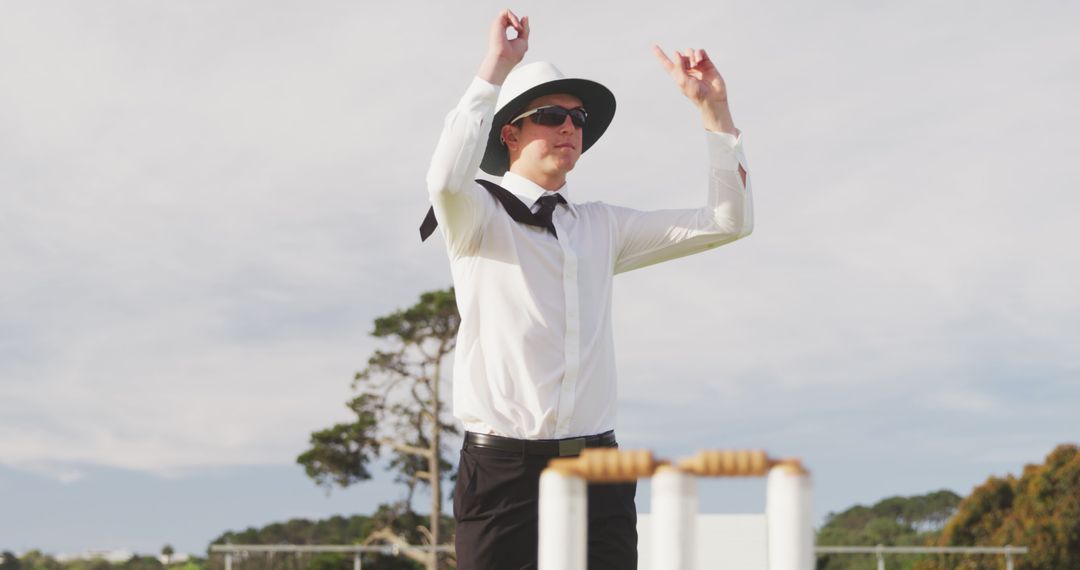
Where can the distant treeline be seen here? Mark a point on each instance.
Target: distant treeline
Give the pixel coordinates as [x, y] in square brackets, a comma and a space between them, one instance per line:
[1040, 509]
[335, 530]
[896, 521]
[36, 560]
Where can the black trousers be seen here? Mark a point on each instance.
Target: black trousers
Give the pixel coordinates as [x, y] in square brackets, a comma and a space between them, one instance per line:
[496, 505]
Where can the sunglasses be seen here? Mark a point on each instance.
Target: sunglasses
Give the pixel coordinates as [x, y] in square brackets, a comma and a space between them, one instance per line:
[554, 115]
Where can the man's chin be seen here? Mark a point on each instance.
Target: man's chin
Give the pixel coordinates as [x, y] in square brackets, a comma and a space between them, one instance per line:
[567, 166]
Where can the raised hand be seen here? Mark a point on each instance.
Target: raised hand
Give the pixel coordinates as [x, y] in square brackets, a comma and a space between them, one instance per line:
[695, 75]
[700, 81]
[504, 53]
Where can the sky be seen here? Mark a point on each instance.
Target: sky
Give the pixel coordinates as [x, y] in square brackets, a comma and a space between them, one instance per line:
[204, 205]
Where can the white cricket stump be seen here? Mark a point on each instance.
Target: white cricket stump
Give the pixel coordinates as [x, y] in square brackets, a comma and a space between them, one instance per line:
[789, 519]
[674, 516]
[563, 521]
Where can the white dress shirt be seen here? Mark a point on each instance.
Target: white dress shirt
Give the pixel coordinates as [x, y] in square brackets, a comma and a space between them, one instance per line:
[535, 358]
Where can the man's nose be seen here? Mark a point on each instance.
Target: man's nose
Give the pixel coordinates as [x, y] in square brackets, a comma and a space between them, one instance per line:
[567, 125]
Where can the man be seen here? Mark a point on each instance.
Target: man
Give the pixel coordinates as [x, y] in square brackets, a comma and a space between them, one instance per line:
[534, 369]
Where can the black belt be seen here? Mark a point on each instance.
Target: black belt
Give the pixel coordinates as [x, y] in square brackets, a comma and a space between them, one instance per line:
[546, 447]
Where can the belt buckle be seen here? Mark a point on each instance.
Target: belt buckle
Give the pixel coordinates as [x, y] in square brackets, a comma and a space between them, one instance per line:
[571, 446]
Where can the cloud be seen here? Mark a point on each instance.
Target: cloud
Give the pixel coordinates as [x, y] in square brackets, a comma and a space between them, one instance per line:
[58, 472]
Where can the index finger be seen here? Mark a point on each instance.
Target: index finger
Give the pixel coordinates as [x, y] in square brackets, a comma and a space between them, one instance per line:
[514, 21]
[660, 55]
[523, 33]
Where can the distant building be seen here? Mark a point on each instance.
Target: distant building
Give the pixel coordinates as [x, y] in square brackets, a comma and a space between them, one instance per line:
[114, 556]
[119, 555]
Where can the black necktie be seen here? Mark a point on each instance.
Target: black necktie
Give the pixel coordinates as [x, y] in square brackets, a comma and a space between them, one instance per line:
[547, 207]
[517, 210]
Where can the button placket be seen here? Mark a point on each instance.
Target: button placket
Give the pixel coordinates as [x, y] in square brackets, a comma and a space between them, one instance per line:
[572, 348]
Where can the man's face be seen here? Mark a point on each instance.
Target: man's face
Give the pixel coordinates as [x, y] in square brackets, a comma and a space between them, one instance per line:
[542, 148]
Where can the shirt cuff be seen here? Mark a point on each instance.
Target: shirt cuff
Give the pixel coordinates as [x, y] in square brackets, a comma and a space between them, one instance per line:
[726, 150]
[480, 95]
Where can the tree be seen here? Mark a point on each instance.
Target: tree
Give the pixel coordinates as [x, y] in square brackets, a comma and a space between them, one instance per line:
[397, 408]
[895, 521]
[1039, 510]
[137, 562]
[8, 561]
[167, 552]
[36, 560]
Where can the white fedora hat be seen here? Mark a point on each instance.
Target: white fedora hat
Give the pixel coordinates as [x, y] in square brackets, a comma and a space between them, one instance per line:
[535, 80]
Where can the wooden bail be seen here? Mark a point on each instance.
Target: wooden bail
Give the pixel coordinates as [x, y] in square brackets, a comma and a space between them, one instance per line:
[737, 463]
[608, 465]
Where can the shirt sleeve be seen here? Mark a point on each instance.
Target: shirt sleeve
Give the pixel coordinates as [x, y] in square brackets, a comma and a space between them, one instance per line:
[645, 238]
[460, 205]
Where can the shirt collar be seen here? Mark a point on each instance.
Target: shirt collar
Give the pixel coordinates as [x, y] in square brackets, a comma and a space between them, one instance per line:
[529, 192]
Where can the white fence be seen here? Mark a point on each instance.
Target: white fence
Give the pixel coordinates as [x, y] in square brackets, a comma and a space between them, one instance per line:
[723, 541]
[231, 551]
[880, 551]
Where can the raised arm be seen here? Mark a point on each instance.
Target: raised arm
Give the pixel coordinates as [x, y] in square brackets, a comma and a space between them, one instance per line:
[460, 206]
[645, 238]
[702, 84]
